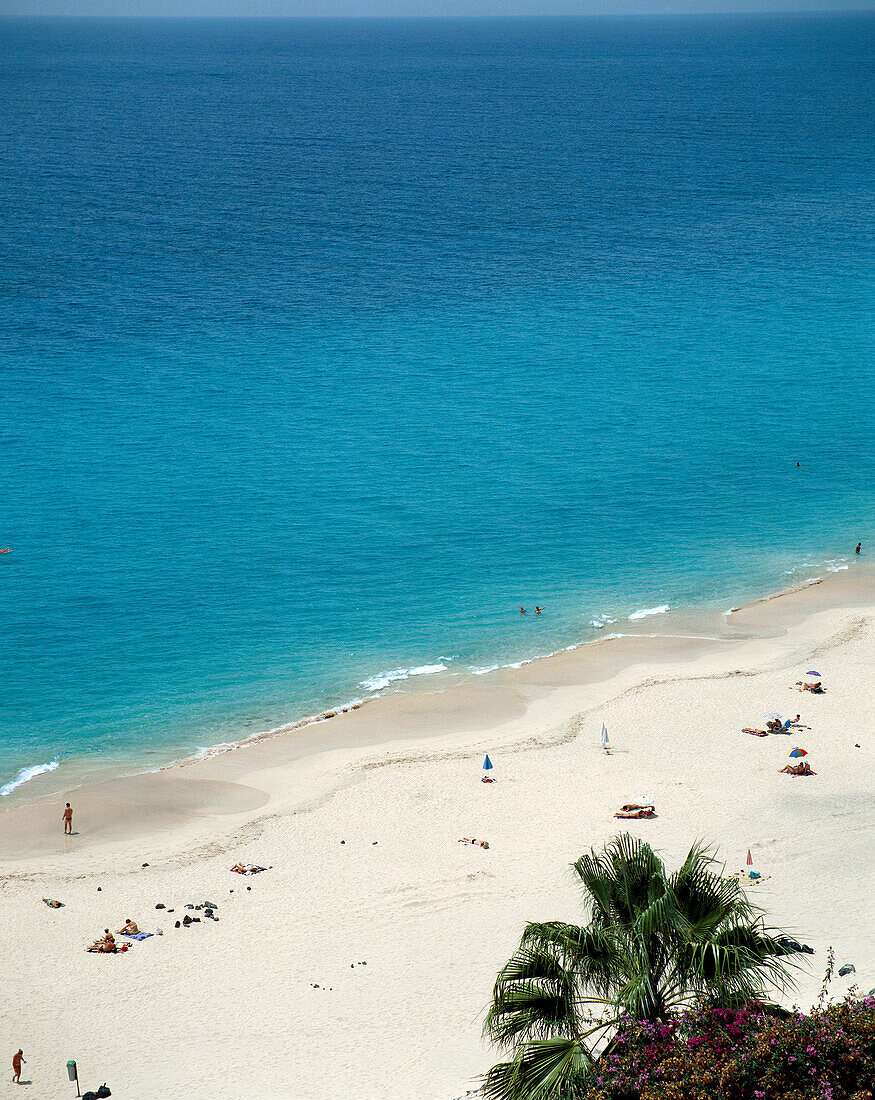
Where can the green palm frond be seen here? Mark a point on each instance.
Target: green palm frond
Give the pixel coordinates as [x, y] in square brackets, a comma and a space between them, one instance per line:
[654, 943]
[591, 953]
[554, 1069]
[533, 998]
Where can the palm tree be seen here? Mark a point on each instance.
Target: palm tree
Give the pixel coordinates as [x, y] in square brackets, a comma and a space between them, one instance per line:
[655, 943]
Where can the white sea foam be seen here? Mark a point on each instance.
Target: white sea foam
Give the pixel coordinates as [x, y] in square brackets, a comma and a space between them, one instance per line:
[384, 679]
[26, 774]
[483, 671]
[646, 612]
[601, 621]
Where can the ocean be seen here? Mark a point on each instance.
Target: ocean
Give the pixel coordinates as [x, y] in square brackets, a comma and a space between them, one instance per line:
[327, 345]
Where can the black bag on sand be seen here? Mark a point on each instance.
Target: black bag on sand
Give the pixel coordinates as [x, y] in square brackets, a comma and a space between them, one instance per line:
[103, 1092]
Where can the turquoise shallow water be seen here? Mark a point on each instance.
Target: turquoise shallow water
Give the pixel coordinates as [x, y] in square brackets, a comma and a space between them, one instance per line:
[328, 345]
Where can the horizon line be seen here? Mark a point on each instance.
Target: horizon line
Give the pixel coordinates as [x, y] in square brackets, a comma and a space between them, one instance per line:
[757, 13]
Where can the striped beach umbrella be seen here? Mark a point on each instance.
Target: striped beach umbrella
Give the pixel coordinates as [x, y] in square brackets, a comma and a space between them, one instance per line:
[749, 858]
[797, 752]
[817, 674]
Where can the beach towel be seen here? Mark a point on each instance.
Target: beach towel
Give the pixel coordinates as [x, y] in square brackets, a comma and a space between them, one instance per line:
[138, 935]
[748, 879]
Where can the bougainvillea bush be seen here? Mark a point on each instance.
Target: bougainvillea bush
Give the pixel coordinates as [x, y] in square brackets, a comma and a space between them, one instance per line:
[744, 1054]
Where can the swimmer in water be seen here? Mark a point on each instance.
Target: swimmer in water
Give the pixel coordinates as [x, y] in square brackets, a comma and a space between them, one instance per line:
[538, 610]
[522, 611]
[857, 551]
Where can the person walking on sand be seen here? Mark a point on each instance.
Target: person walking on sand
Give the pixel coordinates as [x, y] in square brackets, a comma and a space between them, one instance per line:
[68, 819]
[17, 1062]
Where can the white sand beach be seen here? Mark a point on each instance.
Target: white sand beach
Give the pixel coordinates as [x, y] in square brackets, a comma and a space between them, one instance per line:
[360, 965]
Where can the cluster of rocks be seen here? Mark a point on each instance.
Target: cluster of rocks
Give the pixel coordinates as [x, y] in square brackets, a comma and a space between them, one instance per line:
[208, 908]
[795, 945]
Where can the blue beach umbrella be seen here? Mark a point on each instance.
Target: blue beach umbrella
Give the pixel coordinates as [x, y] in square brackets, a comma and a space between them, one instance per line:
[813, 674]
[487, 764]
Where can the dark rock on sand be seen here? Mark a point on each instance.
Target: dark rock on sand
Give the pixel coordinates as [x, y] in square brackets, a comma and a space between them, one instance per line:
[848, 968]
[160, 905]
[177, 924]
[795, 945]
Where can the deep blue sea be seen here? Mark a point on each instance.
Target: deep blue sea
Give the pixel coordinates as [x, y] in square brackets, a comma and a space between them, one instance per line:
[327, 345]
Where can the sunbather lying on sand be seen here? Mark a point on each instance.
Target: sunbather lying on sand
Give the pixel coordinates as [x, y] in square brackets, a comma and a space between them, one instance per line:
[479, 843]
[815, 689]
[247, 869]
[129, 928]
[52, 904]
[634, 810]
[803, 768]
[754, 733]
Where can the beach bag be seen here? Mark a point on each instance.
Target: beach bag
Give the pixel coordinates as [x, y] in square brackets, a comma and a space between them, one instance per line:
[103, 1092]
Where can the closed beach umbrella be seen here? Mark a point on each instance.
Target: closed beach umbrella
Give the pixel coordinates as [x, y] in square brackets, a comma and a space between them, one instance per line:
[749, 858]
[605, 741]
[797, 752]
[487, 764]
